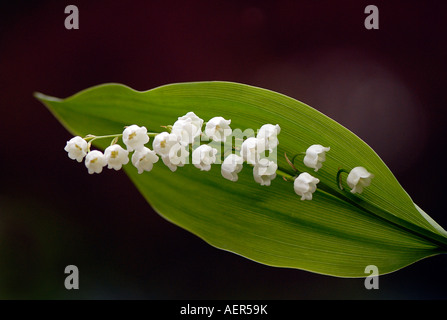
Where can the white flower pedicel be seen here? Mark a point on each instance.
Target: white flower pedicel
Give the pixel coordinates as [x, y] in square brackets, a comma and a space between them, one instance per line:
[179, 142]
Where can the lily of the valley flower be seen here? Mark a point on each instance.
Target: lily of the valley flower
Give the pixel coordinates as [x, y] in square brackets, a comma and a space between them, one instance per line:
[264, 171]
[359, 178]
[135, 137]
[144, 159]
[177, 157]
[251, 148]
[173, 148]
[95, 161]
[315, 156]
[203, 156]
[305, 185]
[187, 128]
[231, 166]
[195, 120]
[163, 143]
[76, 148]
[269, 133]
[218, 129]
[116, 156]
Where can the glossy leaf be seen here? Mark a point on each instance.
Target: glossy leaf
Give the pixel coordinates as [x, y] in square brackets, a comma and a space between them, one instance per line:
[337, 233]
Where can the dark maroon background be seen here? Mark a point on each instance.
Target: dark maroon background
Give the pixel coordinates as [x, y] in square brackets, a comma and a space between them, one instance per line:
[386, 85]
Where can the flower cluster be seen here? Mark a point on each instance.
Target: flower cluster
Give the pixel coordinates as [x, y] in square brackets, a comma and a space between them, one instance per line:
[305, 184]
[264, 170]
[114, 156]
[175, 146]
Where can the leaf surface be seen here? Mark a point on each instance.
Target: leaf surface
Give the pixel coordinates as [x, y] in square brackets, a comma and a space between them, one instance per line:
[337, 233]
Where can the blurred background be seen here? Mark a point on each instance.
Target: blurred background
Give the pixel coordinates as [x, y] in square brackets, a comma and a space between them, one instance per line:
[386, 85]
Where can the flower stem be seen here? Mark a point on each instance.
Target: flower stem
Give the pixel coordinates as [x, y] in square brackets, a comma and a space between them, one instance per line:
[338, 180]
[372, 209]
[92, 138]
[296, 155]
[285, 175]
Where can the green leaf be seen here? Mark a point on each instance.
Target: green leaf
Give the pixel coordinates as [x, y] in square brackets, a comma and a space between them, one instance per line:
[337, 233]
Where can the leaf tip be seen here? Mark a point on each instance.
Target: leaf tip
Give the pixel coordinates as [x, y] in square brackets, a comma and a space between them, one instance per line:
[43, 97]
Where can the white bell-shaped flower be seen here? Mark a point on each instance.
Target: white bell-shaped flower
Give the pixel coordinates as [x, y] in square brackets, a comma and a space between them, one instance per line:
[95, 161]
[305, 185]
[231, 166]
[163, 143]
[135, 137]
[218, 129]
[203, 157]
[143, 159]
[195, 120]
[315, 156]
[76, 148]
[116, 156]
[359, 178]
[187, 128]
[177, 157]
[264, 171]
[251, 148]
[269, 134]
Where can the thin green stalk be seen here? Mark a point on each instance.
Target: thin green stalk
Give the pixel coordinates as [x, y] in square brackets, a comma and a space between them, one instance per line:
[377, 212]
